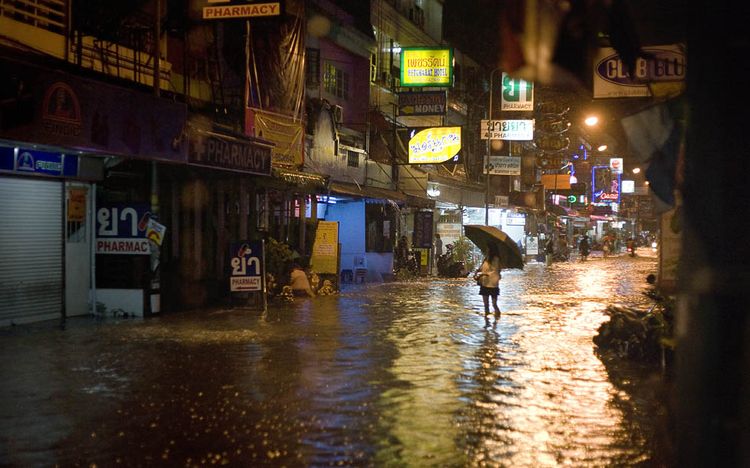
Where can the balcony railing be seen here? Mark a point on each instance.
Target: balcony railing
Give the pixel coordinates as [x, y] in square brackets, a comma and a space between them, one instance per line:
[43, 25]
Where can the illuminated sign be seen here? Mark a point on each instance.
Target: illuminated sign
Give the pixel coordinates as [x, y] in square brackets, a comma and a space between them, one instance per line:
[605, 185]
[227, 9]
[628, 186]
[518, 95]
[664, 63]
[615, 164]
[518, 130]
[434, 145]
[426, 66]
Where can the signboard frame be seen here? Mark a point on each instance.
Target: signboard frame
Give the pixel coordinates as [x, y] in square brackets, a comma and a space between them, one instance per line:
[430, 78]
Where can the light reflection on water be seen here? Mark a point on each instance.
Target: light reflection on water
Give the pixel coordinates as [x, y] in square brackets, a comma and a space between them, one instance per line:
[401, 374]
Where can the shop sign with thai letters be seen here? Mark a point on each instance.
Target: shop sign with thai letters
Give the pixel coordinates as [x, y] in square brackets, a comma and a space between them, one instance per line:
[434, 145]
[519, 130]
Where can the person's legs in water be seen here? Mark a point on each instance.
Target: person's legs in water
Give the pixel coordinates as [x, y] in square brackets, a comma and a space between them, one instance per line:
[494, 305]
[486, 299]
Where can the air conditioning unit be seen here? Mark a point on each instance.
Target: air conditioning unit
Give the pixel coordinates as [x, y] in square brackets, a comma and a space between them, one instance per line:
[338, 114]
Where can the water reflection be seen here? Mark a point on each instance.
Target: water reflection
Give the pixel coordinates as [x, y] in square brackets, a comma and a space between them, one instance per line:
[408, 374]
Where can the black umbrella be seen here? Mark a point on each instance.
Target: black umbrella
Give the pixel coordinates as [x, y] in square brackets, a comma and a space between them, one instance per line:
[483, 236]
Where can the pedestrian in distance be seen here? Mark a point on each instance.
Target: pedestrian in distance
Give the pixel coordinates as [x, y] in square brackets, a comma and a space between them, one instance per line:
[299, 282]
[549, 251]
[437, 252]
[584, 248]
[488, 278]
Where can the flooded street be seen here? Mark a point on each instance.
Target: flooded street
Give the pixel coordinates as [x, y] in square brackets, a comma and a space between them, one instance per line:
[395, 374]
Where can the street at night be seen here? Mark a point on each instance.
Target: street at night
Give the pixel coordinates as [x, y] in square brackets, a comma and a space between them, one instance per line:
[387, 374]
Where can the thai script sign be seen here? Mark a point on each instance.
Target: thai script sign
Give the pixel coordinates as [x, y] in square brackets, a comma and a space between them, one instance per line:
[426, 66]
[504, 165]
[246, 263]
[223, 9]
[665, 63]
[517, 95]
[121, 229]
[422, 103]
[434, 145]
[285, 132]
[520, 130]
[325, 248]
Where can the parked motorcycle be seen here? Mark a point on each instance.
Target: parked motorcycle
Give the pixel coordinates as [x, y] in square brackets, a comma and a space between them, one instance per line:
[447, 267]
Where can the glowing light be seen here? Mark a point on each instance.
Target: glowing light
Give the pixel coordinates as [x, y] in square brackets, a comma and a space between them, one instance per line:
[602, 148]
[636, 170]
[591, 120]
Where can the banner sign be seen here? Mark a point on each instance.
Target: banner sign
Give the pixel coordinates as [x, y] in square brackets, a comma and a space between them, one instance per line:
[228, 9]
[422, 103]
[426, 66]
[520, 130]
[504, 165]
[219, 151]
[121, 229]
[246, 263]
[324, 257]
[434, 145]
[666, 63]
[286, 133]
[517, 95]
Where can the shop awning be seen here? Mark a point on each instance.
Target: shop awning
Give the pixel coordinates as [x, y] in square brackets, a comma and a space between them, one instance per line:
[303, 180]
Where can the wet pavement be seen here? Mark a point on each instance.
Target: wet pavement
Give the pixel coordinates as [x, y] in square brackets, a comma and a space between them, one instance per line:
[396, 374]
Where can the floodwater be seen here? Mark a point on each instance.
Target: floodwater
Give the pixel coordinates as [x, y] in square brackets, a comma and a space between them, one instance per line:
[397, 374]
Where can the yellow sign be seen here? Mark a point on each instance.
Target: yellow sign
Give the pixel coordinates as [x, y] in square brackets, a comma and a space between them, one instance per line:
[426, 67]
[77, 205]
[434, 145]
[325, 248]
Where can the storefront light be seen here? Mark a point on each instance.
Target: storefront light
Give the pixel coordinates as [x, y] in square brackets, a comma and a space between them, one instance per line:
[433, 191]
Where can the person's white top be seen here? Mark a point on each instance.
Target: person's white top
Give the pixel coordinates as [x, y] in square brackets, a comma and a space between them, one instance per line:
[299, 281]
[491, 273]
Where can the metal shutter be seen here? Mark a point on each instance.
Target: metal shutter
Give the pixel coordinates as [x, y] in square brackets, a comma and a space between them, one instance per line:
[31, 263]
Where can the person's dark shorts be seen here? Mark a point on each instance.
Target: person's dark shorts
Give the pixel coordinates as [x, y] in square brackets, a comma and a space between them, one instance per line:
[484, 291]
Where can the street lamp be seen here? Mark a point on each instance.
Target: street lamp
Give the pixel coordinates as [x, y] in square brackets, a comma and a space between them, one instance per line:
[591, 120]
[602, 148]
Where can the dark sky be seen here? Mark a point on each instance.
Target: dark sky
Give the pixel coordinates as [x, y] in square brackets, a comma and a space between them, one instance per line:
[472, 26]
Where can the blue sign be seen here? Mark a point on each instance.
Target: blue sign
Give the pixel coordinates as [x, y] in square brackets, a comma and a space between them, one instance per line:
[7, 158]
[34, 162]
[247, 266]
[121, 229]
